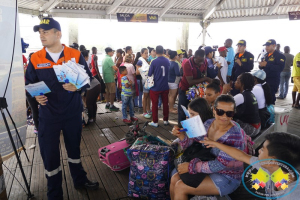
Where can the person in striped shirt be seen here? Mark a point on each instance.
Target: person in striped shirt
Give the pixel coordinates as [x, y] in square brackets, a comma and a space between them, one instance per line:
[126, 96]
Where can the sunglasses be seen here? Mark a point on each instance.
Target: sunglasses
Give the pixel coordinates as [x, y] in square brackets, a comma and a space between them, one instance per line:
[221, 112]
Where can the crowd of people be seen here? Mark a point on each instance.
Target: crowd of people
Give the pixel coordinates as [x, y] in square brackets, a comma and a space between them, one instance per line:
[236, 104]
[173, 72]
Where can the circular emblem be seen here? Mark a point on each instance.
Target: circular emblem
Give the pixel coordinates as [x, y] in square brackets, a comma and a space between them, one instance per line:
[259, 182]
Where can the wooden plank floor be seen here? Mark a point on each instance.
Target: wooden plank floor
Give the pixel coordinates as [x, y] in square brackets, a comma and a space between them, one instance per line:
[107, 129]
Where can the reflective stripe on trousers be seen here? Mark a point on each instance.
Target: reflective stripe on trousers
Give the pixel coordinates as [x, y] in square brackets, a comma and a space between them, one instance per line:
[53, 172]
[75, 161]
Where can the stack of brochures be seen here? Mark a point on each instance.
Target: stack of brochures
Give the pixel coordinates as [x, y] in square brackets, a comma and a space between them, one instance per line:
[73, 73]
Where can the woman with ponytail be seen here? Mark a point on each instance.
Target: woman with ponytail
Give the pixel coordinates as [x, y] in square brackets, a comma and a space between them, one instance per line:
[142, 69]
[247, 112]
[262, 92]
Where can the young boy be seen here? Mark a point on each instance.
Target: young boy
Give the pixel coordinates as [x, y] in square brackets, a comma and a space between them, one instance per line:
[222, 65]
[280, 146]
[126, 96]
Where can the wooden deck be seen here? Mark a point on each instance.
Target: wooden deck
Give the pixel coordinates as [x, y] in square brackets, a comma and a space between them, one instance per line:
[107, 129]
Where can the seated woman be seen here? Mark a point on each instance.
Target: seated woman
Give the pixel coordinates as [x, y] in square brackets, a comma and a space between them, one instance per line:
[247, 114]
[224, 173]
[262, 92]
[212, 92]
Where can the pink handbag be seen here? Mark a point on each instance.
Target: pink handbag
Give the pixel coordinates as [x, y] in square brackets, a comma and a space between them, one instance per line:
[113, 155]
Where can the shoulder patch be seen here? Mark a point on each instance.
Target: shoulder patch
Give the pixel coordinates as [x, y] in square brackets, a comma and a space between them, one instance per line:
[282, 60]
[251, 58]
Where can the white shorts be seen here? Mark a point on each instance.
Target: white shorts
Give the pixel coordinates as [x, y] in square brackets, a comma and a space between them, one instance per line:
[173, 86]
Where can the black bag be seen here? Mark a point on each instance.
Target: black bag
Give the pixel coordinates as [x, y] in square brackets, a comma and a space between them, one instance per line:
[196, 150]
[264, 116]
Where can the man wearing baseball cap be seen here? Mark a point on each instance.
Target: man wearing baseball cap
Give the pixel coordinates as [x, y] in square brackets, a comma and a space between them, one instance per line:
[243, 62]
[273, 64]
[60, 110]
[222, 65]
[109, 69]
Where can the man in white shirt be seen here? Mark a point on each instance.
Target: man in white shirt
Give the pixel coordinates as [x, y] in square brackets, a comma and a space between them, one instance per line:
[222, 75]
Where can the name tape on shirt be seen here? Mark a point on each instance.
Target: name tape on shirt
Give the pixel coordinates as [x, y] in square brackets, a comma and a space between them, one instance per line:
[44, 65]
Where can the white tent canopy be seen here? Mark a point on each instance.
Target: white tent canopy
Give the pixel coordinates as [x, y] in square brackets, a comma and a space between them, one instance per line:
[167, 10]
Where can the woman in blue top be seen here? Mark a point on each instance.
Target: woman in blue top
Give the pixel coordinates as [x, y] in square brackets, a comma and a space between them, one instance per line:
[173, 80]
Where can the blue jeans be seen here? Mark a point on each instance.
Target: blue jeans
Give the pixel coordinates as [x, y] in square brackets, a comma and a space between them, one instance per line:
[138, 101]
[284, 83]
[127, 101]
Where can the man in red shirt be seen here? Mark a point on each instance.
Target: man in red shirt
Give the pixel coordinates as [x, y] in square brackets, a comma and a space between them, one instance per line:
[194, 72]
[94, 64]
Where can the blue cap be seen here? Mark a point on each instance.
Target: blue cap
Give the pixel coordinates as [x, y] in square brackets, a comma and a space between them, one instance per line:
[270, 42]
[47, 24]
[261, 74]
[208, 50]
[242, 42]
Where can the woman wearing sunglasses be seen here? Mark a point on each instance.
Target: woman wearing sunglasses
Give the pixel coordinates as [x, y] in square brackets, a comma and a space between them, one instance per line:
[247, 112]
[224, 173]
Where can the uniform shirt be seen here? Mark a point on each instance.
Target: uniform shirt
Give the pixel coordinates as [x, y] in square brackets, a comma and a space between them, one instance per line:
[275, 65]
[126, 91]
[296, 70]
[247, 60]
[107, 70]
[160, 69]
[289, 58]
[61, 103]
[230, 58]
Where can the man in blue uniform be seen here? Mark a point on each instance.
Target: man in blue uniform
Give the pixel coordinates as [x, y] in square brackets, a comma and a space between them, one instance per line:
[59, 110]
[243, 62]
[273, 64]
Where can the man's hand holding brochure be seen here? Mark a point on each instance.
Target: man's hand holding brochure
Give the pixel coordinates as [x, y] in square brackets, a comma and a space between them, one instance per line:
[72, 74]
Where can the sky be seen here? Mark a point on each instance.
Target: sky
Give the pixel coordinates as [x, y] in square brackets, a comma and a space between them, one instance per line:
[103, 33]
